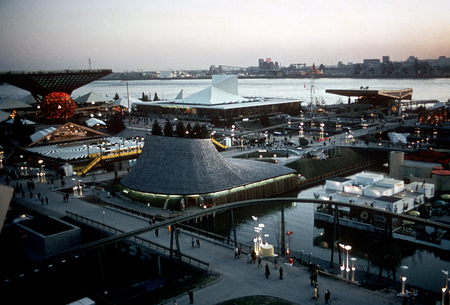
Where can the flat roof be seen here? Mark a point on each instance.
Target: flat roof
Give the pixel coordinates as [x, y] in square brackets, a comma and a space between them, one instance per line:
[398, 94]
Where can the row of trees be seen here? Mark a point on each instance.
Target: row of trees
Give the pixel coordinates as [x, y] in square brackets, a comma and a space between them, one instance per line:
[181, 131]
[144, 97]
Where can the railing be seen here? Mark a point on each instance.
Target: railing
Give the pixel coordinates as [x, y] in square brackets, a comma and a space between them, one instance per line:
[142, 241]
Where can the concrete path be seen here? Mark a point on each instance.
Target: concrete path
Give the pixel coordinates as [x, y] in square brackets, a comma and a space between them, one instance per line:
[238, 278]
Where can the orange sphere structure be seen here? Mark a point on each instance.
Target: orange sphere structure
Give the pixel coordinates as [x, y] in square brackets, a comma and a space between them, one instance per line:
[58, 105]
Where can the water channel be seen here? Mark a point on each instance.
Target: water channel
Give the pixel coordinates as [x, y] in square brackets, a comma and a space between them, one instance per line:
[424, 264]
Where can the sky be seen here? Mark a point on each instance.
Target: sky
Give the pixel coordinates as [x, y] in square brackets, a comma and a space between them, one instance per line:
[150, 35]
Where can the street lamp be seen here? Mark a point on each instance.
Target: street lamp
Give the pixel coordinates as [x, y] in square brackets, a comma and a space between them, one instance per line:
[353, 268]
[446, 278]
[403, 278]
[289, 233]
[443, 295]
[347, 248]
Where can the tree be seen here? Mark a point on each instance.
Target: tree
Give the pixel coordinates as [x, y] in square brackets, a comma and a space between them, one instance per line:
[156, 129]
[116, 97]
[156, 98]
[199, 132]
[115, 124]
[189, 129]
[144, 97]
[168, 129]
[180, 130]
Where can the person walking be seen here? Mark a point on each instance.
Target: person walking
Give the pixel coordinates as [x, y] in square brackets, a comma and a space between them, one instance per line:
[236, 253]
[316, 292]
[193, 242]
[276, 263]
[267, 273]
[327, 296]
[281, 273]
[191, 296]
[198, 242]
[46, 200]
[156, 232]
[259, 262]
[249, 258]
[253, 256]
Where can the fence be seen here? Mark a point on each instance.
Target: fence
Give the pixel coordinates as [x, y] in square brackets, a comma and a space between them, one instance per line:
[142, 241]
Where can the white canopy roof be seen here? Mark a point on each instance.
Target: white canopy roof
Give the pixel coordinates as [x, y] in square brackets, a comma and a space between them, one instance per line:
[93, 121]
[24, 122]
[38, 135]
[91, 97]
[3, 115]
[9, 103]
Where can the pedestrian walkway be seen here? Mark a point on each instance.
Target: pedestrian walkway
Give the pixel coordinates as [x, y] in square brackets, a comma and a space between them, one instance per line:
[238, 277]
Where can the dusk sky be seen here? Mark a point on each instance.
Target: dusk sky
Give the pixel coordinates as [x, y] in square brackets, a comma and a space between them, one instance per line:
[194, 34]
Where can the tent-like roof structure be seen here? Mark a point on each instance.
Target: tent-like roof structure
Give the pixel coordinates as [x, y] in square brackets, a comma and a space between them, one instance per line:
[123, 101]
[224, 90]
[41, 133]
[93, 121]
[90, 98]
[186, 166]
[4, 116]
[29, 99]
[64, 133]
[24, 122]
[8, 103]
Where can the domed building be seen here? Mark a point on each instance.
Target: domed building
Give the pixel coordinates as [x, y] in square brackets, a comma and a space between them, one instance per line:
[193, 170]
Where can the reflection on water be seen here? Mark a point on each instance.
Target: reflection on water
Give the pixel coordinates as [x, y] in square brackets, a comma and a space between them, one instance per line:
[424, 264]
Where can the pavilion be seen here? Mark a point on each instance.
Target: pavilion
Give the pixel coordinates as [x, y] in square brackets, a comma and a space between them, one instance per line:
[193, 170]
[221, 99]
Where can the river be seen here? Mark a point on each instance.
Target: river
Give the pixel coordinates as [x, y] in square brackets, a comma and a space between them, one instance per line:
[424, 265]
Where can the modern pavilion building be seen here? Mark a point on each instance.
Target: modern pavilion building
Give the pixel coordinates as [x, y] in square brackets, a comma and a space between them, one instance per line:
[221, 99]
[192, 171]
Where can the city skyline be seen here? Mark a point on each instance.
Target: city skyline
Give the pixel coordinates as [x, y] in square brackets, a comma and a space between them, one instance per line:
[190, 35]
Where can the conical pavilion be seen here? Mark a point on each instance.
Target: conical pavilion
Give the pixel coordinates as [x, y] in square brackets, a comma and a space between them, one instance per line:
[193, 167]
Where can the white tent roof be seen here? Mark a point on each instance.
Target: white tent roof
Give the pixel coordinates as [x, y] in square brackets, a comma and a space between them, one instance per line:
[93, 121]
[3, 116]
[91, 97]
[9, 103]
[38, 135]
[123, 101]
[28, 99]
[211, 96]
[24, 122]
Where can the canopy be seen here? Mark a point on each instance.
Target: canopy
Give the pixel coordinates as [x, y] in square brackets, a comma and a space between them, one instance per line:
[93, 121]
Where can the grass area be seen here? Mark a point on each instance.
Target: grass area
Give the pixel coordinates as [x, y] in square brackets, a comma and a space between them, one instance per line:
[257, 300]
[310, 168]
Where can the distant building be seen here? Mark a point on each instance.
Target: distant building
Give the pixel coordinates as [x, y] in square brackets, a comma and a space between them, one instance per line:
[374, 62]
[386, 59]
[268, 64]
[165, 74]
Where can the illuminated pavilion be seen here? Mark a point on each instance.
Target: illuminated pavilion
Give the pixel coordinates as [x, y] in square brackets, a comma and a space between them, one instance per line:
[193, 170]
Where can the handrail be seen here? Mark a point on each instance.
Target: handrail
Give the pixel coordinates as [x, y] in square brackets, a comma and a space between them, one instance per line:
[145, 242]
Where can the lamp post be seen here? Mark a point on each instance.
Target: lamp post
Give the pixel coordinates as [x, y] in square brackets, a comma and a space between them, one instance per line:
[403, 278]
[446, 278]
[343, 267]
[353, 268]
[443, 295]
[289, 233]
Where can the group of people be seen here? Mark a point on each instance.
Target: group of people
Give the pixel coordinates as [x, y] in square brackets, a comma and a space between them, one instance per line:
[313, 278]
[193, 242]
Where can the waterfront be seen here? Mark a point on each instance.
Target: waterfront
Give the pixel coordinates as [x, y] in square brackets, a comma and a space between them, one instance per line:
[424, 266]
[423, 89]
